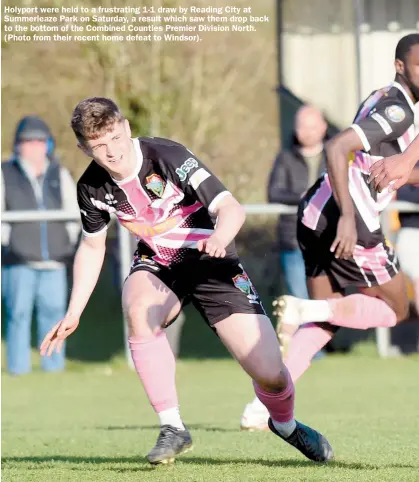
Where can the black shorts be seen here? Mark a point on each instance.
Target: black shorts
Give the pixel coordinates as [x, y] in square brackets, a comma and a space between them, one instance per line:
[217, 287]
[370, 266]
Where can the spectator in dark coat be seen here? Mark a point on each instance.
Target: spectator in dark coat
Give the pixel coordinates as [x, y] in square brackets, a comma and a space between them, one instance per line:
[293, 173]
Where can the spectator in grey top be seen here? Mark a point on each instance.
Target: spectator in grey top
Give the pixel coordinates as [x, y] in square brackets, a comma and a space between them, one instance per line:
[35, 253]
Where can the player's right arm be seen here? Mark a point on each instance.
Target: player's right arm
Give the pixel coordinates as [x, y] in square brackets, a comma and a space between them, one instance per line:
[338, 151]
[388, 121]
[87, 266]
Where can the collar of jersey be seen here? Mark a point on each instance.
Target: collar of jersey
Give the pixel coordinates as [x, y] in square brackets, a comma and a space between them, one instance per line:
[409, 100]
[139, 156]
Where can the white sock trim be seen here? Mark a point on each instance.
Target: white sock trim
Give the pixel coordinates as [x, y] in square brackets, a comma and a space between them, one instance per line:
[315, 310]
[285, 428]
[171, 417]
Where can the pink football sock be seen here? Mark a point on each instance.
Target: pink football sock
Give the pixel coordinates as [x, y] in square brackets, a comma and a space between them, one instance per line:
[307, 341]
[280, 405]
[155, 364]
[361, 312]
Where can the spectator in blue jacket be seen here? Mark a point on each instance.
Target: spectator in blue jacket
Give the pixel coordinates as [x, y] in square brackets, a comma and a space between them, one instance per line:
[34, 254]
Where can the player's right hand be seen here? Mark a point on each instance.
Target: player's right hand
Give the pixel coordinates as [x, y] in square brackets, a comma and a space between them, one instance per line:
[54, 339]
[384, 171]
[346, 237]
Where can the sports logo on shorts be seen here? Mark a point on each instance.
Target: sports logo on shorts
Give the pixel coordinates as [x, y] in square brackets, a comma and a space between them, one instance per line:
[242, 282]
[155, 184]
[143, 261]
[395, 113]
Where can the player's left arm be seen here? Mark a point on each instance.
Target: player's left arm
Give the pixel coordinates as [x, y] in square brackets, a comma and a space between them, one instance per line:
[196, 180]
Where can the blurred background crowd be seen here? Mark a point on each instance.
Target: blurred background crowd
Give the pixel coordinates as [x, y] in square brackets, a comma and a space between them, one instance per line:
[256, 108]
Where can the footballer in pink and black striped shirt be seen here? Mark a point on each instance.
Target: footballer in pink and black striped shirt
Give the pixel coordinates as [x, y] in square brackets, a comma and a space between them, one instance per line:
[339, 228]
[185, 221]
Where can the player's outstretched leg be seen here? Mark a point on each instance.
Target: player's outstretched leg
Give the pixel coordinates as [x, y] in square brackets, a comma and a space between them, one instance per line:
[382, 305]
[359, 311]
[148, 304]
[297, 354]
[308, 441]
[251, 339]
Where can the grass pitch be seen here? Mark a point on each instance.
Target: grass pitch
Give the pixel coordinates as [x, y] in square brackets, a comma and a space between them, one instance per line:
[93, 423]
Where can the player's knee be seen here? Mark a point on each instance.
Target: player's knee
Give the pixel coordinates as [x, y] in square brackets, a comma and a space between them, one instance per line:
[134, 311]
[274, 382]
[402, 309]
[142, 318]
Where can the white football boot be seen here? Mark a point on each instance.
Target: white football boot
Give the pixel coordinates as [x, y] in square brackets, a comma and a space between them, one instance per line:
[255, 417]
[288, 319]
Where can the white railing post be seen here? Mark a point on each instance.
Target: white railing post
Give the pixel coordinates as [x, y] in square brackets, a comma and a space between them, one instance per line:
[383, 338]
[125, 259]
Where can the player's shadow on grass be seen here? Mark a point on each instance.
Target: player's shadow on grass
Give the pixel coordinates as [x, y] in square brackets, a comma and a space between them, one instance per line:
[42, 460]
[193, 426]
[286, 463]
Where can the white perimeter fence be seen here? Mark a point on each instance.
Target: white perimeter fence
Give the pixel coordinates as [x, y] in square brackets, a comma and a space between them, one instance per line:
[383, 337]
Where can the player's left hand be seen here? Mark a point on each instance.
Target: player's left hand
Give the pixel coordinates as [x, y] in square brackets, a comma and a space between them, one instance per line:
[211, 246]
[394, 168]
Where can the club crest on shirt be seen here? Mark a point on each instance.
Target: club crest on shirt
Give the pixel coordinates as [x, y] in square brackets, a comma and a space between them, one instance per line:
[395, 113]
[242, 282]
[155, 184]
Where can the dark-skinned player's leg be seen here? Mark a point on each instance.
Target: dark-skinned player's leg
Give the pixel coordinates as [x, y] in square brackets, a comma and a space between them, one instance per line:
[384, 305]
[381, 300]
[394, 294]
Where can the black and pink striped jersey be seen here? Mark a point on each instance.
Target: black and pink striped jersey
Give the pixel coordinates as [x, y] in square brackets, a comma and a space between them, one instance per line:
[385, 124]
[168, 202]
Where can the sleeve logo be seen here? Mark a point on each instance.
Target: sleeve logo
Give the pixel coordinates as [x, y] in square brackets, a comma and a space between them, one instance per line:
[197, 177]
[186, 167]
[395, 113]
